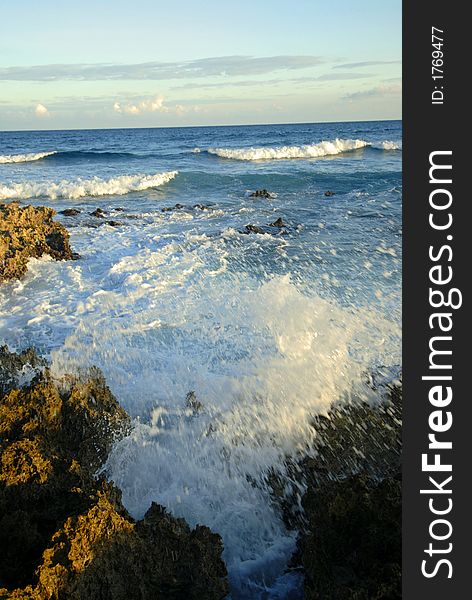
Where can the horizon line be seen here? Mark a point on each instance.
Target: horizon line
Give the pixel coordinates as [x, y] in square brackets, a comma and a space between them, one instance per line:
[195, 126]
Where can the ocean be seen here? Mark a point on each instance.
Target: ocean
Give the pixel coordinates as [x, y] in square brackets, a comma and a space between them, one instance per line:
[221, 320]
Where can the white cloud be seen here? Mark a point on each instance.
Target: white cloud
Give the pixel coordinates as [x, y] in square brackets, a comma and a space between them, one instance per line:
[155, 104]
[377, 92]
[41, 111]
[201, 67]
[150, 105]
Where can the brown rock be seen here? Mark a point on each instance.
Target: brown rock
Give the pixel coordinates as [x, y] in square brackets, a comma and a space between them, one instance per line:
[27, 232]
[64, 534]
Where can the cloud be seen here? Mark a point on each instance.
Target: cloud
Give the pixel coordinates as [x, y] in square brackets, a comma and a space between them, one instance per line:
[41, 111]
[271, 82]
[155, 104]
[342, 76]
[368, 63]
[376, 92]
[224, 66]
[150, 105]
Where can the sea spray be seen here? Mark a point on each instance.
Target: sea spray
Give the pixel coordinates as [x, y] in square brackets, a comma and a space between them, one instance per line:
[265, 330]
[261, 357]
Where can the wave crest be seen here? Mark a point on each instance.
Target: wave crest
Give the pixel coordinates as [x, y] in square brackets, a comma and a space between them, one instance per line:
[85, 187]
[325, 148]
[387, 145]
[19, 158]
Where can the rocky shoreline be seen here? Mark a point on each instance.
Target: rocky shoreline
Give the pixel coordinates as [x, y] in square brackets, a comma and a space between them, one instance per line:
[65, 534]
[28, 232]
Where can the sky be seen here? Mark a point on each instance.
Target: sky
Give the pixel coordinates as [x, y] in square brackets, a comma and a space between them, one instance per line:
[150, 63]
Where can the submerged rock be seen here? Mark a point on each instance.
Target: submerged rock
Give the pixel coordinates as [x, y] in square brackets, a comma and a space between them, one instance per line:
[261, 194]
[64, 533]
[170, 208]
[183, 207]
[98, 212]
[113, 223]
[70, 212]
[29, 232]
[278, 223]
[253, 229]
[278, 227]
[193, 403]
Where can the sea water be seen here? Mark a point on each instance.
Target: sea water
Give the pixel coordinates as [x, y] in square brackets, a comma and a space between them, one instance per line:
[176, 296]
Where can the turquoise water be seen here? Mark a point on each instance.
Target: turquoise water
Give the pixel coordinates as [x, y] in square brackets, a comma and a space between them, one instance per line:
[266, 328]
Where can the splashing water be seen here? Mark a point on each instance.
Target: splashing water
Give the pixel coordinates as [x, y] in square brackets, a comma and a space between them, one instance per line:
[260, 356]
[265, 330]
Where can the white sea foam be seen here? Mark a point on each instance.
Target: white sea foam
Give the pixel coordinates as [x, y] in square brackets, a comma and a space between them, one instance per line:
[261, 355]
[80, 188]
[19, 158]
[387, 145]
[308, 151]
[326, 148]
[163, 316]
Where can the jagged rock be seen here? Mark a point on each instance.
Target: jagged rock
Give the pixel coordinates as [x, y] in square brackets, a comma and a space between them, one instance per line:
[65, 534]
[170, 208]
[350, 545]
[252, 229]
[193, 403]
[99, 213]
[261, 194]
[16, 369]
[276, 228]
[113, 223]
[70, 212]
[278, 223]
[27, 232]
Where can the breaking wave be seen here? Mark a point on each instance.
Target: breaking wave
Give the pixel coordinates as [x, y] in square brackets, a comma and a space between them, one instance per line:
[325, 148]
[387, 145]
[20, 158]
[85, 187]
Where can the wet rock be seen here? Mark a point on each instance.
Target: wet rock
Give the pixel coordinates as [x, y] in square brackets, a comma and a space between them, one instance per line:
[99, 213]
[261, 194]
[15, 369]
[189, 208]
[276, 228]
[113, 223]
[193, 403]
[253, 229]
[353, 548]
[70, 212]
[64, 533]
[329, 193]
[170, 208]
[29, 232]
[278, 223]
[350, 545]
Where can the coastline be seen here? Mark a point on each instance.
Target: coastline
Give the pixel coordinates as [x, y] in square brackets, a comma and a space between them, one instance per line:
[351, 472]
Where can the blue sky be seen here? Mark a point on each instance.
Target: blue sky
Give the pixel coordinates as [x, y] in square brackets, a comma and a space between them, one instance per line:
[116, 63]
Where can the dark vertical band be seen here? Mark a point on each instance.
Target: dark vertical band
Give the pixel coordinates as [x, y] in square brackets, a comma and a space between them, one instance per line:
[437, 267]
